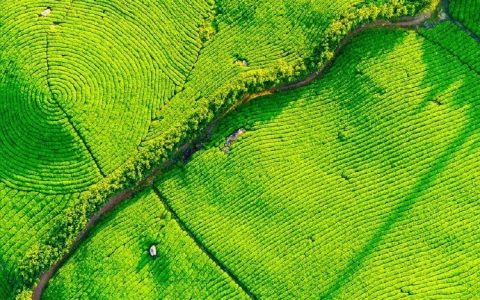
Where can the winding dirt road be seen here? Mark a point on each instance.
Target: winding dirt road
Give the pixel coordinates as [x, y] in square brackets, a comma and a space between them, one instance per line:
[114, 201]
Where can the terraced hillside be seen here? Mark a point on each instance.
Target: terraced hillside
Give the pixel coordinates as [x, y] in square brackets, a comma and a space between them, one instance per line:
[95, 94]
[361, 185]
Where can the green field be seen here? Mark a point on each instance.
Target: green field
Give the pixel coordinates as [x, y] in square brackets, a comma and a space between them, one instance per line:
[79, 94]
[467, 12]
[127, 271]
[361, 185]
[97, 93]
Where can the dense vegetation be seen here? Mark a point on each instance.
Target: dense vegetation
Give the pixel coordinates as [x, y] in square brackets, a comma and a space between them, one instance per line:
[76, 104]
[96, 93]
[121, 243]
[361, 185]
[467, 12]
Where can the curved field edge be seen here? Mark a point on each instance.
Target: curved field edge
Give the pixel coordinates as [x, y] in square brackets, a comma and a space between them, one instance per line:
[44, 106]
[180, 269]
[159, 149]
[362, 184]
[204, 191]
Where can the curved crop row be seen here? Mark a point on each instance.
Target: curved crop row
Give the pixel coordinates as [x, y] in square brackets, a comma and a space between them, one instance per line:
[113, 66]
[39, 149]
[86, 80]
[467, 12]
[97, 93]
[360, 185]
[128, 271]
[80, 83]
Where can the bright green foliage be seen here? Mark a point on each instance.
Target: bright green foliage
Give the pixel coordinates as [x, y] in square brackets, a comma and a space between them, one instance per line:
[116, 263]
[26, 218]
[117, 76]
[78, 89]
[39, 150]
[449, 37]
[24, 295]
[276, 40]
[362, 185]
[95, 93]
[467, 12]
[85, 77]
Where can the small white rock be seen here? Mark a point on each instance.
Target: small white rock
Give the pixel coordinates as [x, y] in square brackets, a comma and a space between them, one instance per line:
[46, 12]
[153, 251]
[443, 15]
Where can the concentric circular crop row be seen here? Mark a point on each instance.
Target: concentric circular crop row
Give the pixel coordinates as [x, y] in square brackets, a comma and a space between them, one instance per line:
[121, 62]
[180, 270]
[81, 84]
[270, 37]
[39, 149]
[83, 79]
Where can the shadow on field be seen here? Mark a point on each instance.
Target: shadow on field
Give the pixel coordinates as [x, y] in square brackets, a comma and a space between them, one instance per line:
[425, 182]
[5, 281]
[465, 102]
[158, 268]
[38, 149]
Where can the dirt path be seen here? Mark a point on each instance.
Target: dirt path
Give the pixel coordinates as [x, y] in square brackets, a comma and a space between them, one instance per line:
[111, 204]
[406, 22]
[114, 201]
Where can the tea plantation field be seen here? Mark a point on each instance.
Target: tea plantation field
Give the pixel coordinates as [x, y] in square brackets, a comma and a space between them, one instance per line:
[96, 93]
[362, 185]
[467, 12]
[122, 241]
